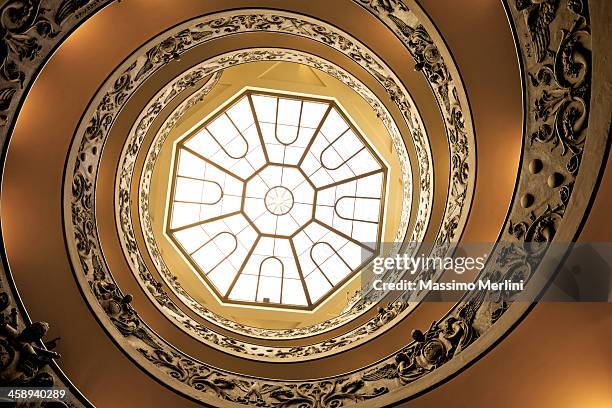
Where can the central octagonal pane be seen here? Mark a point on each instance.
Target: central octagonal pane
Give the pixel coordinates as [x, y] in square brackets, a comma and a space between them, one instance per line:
[277, 199]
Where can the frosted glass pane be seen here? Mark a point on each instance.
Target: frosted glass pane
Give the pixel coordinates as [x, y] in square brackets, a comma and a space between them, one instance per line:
[278, 211]
[289, 112]
[265, 107]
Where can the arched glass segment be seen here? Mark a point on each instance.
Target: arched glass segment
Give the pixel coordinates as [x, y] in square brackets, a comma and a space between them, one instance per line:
[277, 200]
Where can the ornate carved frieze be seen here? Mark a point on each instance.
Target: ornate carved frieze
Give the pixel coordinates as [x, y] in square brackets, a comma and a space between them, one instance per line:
[449, 93]
[30, 32]
[329, 36]
[145, 345]
[558, 85]
[125, 181]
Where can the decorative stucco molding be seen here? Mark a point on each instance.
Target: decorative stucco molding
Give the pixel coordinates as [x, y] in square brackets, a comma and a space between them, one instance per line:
[90, 267]
[470, 329]
[339, 40]
[31, 31]
[124, 182]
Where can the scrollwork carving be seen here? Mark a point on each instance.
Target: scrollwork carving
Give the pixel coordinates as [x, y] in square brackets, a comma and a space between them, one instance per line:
[127, 234]
[561, 106]
[23, 359]
[28, 28]
[398, 95]
[430, 350]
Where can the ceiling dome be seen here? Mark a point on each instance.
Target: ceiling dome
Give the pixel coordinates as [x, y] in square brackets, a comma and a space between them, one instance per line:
[277, 199]
[217, 189]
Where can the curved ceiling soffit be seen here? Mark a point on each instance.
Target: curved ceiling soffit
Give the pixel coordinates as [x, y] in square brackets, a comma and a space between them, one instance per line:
[171, 310]
[396, 310]
[447, 93]
[587, 174]
[467, 330]
[426, 183]
[32, 33]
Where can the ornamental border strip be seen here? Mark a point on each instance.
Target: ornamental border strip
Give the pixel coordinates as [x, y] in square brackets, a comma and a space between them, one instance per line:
[33, 33]
[130, 246]
[110, 299]
[452, 223]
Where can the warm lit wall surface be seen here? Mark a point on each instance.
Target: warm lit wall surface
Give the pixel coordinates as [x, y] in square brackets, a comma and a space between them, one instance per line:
[558, 356]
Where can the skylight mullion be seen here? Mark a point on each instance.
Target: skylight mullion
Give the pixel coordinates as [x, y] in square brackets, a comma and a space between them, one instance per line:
[345, 162]
[212, 163]
[259, 133]
[354, 207]
[192, 202]
[299, 269]
[195, 224]
[343, 235]
[276, 122]
[240, 134]
[348, 180]
[299, 125]
[178, 176]
[241, 269]
[315, 134]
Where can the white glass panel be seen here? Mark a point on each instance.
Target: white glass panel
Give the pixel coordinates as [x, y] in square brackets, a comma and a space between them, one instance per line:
[289, 111]
[367, 209]
[286, 134]
[370, 186]
[285, 224]
[190, 165]
[312, 113]
[203, 144]
[269, 289]
[336, 269]
[222, 129]
[184, 214]
[317, 285]
[209, 259]
[331, 159]
[354, 255]
[191, 238]
[241, 114]
[363, 163]
[334, 125]
[265, 108]
[245, 288]
[222, 279]
[365, 233]
[188, 190]
[293, 293]
[271, 266]
[348, 145]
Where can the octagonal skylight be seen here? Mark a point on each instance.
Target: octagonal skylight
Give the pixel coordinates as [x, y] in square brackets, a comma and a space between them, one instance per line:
[277, 200]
